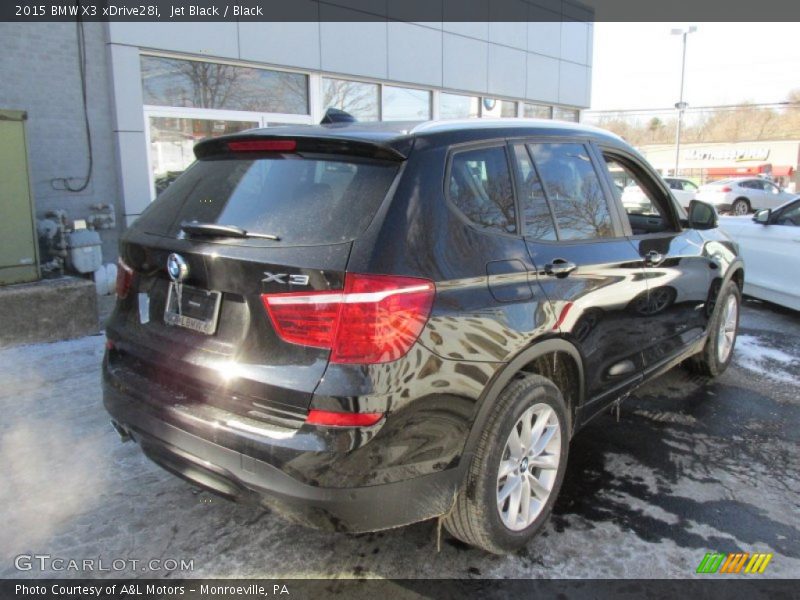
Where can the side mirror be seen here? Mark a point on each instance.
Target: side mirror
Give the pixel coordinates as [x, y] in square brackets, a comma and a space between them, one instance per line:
[763, 216]
[702, 215]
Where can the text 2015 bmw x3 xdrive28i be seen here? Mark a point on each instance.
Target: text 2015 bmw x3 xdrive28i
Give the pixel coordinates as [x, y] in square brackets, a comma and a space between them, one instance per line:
[367, 325]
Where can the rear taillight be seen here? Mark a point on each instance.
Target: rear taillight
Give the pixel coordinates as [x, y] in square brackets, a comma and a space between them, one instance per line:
[342, 419]
[124, 279]
[263, 146]
[375, 319]
[726, 189]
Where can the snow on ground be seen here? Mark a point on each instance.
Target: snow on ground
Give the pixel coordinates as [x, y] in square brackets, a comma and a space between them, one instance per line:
[692, 466]
[758, 354]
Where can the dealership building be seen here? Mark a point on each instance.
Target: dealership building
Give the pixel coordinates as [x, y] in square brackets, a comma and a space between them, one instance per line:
[144, 93]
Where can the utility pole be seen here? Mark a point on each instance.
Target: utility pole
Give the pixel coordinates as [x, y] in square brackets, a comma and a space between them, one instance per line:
[681, 105]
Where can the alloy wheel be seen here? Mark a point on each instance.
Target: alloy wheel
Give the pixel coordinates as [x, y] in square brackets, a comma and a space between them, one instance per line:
[740, 208]
[528, 467]
[727, 328]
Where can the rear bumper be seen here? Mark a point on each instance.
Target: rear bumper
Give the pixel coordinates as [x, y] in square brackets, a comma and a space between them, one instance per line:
[236, 473]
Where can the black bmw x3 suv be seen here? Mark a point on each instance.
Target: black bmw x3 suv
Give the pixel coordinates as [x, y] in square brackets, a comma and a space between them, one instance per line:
[366, 325]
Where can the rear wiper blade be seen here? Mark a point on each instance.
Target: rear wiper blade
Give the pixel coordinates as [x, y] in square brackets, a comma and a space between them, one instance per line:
[217, 230]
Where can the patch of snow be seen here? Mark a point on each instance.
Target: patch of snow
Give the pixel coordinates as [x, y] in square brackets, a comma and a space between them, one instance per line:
[666, 416]
[755, 355]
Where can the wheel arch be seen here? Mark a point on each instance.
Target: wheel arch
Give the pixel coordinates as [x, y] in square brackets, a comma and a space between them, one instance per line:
[526, 362]
[736, 273]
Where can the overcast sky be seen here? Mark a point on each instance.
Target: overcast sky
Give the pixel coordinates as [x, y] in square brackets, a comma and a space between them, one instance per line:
[637, 65]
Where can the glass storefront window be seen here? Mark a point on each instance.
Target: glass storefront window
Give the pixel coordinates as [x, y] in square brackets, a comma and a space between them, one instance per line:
[200, 84]
[498, 108]
[536, 111]
[456, 106]
[357, 98]
[172, 143]
[400, 104]
[566, 114]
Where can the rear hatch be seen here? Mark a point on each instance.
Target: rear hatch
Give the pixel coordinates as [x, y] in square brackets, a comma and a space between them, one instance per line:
[209, 337]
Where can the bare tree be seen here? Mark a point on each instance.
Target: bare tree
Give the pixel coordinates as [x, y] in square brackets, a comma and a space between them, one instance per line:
[654, 126]
[743, 123]
[581, 207]
[359, 99]
[212, 85]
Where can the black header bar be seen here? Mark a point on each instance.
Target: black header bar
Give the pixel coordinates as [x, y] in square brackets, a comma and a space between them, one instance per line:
[400, 10]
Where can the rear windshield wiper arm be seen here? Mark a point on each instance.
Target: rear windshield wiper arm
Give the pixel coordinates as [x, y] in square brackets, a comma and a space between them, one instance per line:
[216, 230]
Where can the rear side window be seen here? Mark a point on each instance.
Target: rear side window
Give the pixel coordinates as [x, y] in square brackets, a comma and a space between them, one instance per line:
[303, 201]
[574, 191]
[480, 187]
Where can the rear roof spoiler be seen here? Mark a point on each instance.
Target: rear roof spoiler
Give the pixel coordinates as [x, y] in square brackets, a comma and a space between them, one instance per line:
[322, 144]
[334, 115]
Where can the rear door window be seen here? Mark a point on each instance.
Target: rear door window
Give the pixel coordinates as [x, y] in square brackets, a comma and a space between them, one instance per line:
[770, 188]
[538, 220]
[303, 201]
[479, 186]
[573, 190]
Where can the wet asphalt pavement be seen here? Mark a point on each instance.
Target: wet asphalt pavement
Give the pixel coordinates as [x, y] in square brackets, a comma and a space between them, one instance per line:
[691, 467]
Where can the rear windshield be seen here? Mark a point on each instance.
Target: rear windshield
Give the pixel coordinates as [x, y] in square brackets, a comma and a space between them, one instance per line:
[300, 200]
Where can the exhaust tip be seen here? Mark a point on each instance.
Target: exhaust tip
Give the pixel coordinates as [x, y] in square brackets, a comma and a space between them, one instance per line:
[124, 434]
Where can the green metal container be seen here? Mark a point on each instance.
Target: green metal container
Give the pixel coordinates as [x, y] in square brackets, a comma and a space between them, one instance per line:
[19, 261]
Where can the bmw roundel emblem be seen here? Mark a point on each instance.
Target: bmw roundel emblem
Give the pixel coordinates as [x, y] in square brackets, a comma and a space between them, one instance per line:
[177, 267]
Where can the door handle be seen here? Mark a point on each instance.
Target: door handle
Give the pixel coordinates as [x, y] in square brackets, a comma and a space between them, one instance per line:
[560, 267]
[653, 258]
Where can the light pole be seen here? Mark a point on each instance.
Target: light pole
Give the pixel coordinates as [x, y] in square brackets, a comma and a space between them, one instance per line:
[681, 105]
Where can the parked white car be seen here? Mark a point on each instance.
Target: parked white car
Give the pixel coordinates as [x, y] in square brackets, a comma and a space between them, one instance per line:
[684, 190]
[636, 201]
[743, 195]
[770, 245]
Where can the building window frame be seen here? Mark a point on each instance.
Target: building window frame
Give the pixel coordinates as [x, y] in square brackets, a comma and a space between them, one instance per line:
[209, 114]
[226, 62]
[554, 110]
[316, 110]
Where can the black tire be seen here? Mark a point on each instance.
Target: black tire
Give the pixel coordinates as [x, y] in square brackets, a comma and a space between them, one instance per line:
[707, 362]
[475, 518]
[740, 206]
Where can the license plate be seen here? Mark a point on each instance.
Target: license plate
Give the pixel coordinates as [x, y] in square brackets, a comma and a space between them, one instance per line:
[198, 310]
